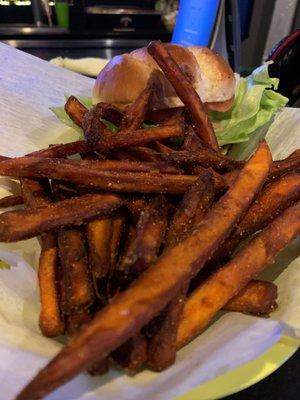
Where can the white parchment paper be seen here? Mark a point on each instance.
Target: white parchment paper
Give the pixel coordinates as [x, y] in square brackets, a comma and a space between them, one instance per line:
[28, 87]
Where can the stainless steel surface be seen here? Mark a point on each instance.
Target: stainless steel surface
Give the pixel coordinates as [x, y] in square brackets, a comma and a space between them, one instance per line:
[120, 11]
[16, 29]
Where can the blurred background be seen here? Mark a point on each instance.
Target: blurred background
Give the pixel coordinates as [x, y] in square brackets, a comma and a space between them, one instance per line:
[245, 31]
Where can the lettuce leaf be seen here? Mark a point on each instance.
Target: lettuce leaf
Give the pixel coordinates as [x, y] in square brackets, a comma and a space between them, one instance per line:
[61, 114]
[255, 103]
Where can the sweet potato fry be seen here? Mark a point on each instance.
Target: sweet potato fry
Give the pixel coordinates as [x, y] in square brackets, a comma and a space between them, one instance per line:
[283, 166]
[93, 127]
[161, 349]
[150, 233]
[139, 137]
[135, 206]
[220, 183]
[141, 251]
[99, 235]
[132, 355]
[279, 168]
[29, 165]
[122, 155]
[62, 150]
[77, 292]
[34, 194]
[258, 297]
[195, 201]
[204, 157]
[51, 321]
[190, 213]
[185, 92]
[162, 148]
[145, 182]
[75, 323]
[192, 142]
[75, 110]
[118, 223]
[154, 289]
[143, 154]
[77, 320]
[135, 114]
[274, 198]
[74, 211]
[227, 281]
[164, 115]
[11, 200]
[110, 113]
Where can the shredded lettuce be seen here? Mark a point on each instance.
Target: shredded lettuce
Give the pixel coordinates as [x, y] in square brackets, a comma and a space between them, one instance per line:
[254, 105]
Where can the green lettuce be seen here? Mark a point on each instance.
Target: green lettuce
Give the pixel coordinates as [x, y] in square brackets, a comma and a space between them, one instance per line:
[61, 114]
[254, 105]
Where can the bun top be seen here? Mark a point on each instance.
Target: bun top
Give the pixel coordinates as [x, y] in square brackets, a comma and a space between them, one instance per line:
[125, 76]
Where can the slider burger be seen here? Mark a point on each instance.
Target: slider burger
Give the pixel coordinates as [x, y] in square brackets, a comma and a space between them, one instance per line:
[126, 76]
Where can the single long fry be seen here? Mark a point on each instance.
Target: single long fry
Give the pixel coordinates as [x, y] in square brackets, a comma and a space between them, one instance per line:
[150, 233]
[190, 213]
[135, 114]
[51, 321]
[139, 137]
[273, 199]
[77, 292]
[185, 92]
[99, 235]
[11, 200]
[73, 211]
[29, 166]
[283, 166]
[196, 199]
[258, 297]
[145, 182]
[204, 157]
[62, 150]
[75, 110]
[223, 284]
[154, 289]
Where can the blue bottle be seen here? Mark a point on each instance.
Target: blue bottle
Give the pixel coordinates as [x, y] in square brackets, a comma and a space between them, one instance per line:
[195, 22]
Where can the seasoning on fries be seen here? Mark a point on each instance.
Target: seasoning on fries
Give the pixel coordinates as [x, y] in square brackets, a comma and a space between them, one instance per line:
[132, 277]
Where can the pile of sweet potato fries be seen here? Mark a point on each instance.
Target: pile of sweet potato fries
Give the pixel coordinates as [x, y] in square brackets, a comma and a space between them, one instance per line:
[141, 234]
